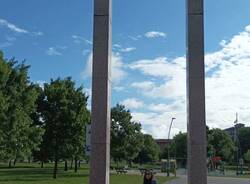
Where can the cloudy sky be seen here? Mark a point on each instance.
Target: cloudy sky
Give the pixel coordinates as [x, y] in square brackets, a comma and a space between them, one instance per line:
[148, 60]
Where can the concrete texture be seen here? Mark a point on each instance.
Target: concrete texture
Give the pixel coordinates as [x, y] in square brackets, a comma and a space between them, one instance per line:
[197, 171]
[100, 125]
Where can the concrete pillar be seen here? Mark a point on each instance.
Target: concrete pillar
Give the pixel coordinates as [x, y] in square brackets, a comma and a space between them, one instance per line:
[100, 125]
[197, 171]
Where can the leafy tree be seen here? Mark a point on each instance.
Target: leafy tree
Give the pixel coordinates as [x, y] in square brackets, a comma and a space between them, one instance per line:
[221, 144]
[65, 115]
[247, 156]
[244, 139]
[150, 150]
[126, 136]
[178, 148]
[19, 137]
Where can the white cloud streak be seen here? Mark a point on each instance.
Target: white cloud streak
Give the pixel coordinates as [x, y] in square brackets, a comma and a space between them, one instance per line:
[52, 51]
[80, 39]
[155, 34]
[12, 27]
[132, 103]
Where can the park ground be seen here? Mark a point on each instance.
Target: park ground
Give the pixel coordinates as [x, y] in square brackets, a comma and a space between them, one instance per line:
[33, 174]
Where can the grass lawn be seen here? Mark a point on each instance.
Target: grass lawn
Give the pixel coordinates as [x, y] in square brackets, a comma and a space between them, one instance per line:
[32, 174]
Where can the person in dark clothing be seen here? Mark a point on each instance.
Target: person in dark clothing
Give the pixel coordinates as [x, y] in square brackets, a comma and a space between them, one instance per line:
[149, 178]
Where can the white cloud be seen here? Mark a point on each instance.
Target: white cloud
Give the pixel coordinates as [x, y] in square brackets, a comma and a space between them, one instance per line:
[88, 92]
[227, 87]
[128, 49]
[177, 105]
[157, 124]
[119, 48]
[117, 68]
[135, 38]
[12, 27]
[145, 85]
[132, 103]
[172, 73]
[118, 88]
[52, 51]
[155, 34]
[80, 39]
[39, 33]
[40, 83]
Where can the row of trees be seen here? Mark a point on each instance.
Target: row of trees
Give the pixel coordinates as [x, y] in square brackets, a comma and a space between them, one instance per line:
[47, 123]
[219, 143]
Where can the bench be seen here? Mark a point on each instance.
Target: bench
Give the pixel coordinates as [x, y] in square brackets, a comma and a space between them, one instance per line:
[142, 171]
[121, 170]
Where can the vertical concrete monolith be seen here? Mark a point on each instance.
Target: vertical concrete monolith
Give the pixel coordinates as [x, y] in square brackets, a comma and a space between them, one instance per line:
[100, 125]
[197, 171]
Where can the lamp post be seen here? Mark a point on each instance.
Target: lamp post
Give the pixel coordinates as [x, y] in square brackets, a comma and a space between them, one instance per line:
[236, 140]
[168, 170]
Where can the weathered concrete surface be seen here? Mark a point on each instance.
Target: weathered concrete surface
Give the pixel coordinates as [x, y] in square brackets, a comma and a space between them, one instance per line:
[197, 171]
[100, 125]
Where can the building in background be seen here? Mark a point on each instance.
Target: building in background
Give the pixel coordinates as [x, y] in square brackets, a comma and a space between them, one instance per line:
[231, 130]
[163, 143]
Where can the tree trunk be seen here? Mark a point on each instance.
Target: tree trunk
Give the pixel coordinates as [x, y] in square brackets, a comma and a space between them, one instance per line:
[71, 164]
[130, 163]
[10, 164]
[55, 169]
[55, 166]
[14, 163]
[66, 165]
[42, 164]
[75, 165]
[79, 164]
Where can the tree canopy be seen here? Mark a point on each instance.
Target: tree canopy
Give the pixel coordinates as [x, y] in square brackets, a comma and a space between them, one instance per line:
[18, 135]
[126, 136]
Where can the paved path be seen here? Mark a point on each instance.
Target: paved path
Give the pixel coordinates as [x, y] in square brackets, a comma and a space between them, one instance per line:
[214, 180]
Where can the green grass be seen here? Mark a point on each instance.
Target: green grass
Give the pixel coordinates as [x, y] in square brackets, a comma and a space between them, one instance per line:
[32, 174]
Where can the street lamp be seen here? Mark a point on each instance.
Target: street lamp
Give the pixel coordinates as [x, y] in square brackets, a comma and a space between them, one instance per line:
[168, 170]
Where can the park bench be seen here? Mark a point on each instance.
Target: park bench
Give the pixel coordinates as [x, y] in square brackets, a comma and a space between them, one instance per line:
[142, 171]
[121, 170]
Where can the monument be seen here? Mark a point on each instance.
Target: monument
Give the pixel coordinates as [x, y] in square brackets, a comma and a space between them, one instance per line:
[100, 126]
[197, 171]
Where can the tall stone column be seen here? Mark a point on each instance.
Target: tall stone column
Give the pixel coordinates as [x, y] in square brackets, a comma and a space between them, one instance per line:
[197, 171]
[100, 125]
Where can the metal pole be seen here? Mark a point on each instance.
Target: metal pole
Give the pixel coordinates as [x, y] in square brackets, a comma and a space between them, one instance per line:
[168, 171]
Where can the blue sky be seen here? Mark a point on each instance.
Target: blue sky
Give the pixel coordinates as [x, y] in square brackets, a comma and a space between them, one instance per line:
[55, 38]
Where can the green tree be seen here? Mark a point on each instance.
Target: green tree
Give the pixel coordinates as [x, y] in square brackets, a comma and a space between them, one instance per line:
[65, 115]
[244, 139]
[178, 148]
[221, 144]
[126, 136]
[19, 137]
[150, 150]
[247, 156]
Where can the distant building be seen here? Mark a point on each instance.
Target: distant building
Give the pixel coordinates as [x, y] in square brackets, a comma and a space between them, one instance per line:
[231, 130]
[163, 143]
